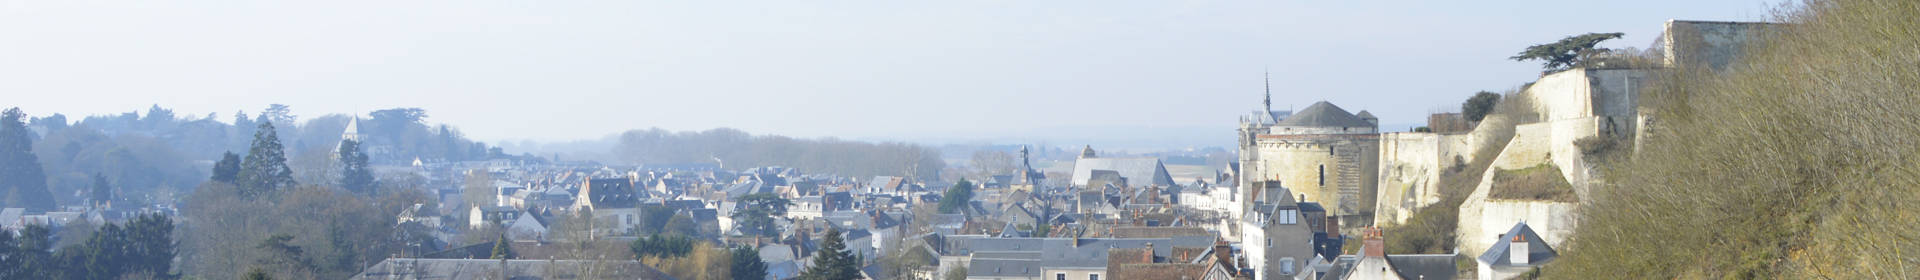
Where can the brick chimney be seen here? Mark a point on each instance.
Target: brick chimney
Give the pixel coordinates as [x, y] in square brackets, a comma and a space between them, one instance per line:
[1148, 257]
[1518, 249]
[1374, 244]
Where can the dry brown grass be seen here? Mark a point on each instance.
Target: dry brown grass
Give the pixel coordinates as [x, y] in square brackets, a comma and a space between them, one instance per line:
[1799, 162]
[1540, 182]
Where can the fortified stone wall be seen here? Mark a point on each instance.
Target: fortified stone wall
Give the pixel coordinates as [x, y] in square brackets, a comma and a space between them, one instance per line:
[1410, 168]
[1711, 44]
[1349, 162]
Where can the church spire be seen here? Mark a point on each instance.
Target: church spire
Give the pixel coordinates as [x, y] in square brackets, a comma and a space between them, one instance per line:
[1268, 75]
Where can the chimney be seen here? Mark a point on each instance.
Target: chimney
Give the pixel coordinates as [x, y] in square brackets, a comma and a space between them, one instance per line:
[1374, 246]
[1148, 257]
[1518, 249]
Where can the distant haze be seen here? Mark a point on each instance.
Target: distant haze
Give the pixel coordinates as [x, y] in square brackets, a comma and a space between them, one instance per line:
[1161, 72]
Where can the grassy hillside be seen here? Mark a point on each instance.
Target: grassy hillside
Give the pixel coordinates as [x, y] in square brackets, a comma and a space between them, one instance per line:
[1803, 162]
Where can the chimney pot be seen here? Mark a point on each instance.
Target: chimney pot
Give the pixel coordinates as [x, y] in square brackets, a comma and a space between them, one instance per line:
[1518, 250]
[1148, 257]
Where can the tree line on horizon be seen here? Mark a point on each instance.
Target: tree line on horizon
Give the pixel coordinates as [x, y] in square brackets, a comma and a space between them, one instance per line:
[735, 149]
[160, 152]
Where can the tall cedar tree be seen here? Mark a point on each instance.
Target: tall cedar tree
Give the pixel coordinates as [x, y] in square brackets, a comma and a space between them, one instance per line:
[265, 169]
[833, 262]
[956, 197]
[354, 173]
[747, 264]
[228, 168]
[102, 193]
[21, 179]
[1570, 52]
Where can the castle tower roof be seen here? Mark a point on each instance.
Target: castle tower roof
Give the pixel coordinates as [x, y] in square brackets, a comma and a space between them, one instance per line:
[1323, 114]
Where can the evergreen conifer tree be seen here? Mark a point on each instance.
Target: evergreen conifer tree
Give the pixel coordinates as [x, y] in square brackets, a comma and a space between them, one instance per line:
[833, 262]
[21, 177]
[501, 249]
[101, 193]
[228, 168]
[265, 168]
[354, 174]
[747, 264]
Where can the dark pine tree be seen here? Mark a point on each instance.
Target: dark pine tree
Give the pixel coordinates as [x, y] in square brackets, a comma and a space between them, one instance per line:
[354, 173]
[833, 262]
[502, 249]
[955, 199]
[21, 179]
[102, 194]
[265, 168]
[747, 264]
[228, 168]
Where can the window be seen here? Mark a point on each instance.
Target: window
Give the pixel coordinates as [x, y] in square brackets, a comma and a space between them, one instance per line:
[1059, 276]
[1288, 217]
[1269, 242]
[1323, 174]
[1095, 276]
[1286, 265]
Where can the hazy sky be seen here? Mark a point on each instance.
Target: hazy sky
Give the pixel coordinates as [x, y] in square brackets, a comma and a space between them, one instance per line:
[557, 70]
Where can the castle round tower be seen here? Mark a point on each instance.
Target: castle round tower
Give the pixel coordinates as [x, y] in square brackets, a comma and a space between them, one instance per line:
[1322, 153]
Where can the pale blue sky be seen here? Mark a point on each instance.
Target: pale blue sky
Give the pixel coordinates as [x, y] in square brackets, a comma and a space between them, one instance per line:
[916, 70]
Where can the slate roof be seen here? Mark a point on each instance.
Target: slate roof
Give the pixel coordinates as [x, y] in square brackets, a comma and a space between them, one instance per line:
[1158, 232]
[1537, 250]
[1430, 267]
[1138, 171]
[885, 183]
[1323, 114]
[1159, 271]
[610, 193]
[1062, 252]
[517, 269]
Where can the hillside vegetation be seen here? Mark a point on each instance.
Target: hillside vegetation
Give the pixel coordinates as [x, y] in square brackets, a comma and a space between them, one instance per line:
[1800, 162]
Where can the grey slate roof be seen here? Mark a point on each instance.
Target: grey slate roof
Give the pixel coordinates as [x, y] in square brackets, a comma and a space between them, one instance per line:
[1062, 252]
[1138, 171]
[515, 269]
[1026, 257]
[611, 193]
[1537, 250]
[1323, 114]
[1429, 267]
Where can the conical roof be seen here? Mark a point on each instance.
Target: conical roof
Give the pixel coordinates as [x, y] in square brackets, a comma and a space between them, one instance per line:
[1323, 114]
